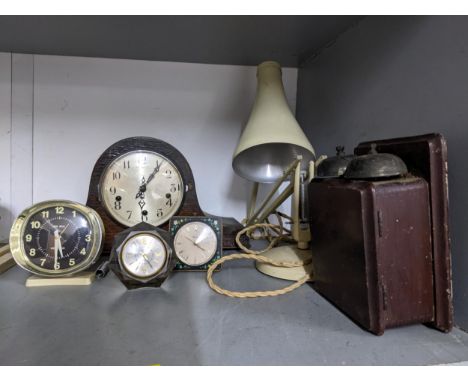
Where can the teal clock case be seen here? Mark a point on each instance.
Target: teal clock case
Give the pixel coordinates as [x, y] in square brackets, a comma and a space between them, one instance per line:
[177, 222]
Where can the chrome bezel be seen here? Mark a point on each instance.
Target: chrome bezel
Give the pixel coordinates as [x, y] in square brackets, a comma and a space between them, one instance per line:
[212, 255]
[19, 225]
[122, 221]
[128, 272]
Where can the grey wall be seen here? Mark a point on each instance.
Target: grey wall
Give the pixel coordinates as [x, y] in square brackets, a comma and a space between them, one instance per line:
[227, 40]
[397, 76]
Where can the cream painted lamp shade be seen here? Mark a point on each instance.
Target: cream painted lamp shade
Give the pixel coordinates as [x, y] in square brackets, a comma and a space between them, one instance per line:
[272, 139]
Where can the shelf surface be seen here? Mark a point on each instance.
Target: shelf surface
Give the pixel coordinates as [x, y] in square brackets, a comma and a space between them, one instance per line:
[185, 323]
[229, 40]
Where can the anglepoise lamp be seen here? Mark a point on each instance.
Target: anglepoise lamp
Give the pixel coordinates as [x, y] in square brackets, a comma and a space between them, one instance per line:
[274, 149]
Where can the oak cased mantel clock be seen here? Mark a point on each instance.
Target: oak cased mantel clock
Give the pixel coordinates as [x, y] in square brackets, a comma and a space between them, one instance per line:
[144, 179]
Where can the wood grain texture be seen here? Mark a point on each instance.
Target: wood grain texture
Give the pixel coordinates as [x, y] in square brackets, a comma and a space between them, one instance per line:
[189, 206]
[372, 251]
[426, 156]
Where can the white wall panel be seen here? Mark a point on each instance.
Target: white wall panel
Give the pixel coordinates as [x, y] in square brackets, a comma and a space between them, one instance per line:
[22, 123]
[83, 105]
[5, 126]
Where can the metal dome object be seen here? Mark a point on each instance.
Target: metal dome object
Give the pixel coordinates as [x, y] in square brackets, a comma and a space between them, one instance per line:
[375, 165]
[334, 167]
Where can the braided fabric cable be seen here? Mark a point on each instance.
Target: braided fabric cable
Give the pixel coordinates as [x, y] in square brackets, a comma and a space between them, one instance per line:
[256, 255]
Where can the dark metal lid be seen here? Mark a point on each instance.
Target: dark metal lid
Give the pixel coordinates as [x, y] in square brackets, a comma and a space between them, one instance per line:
[334, 167]
[375, 165]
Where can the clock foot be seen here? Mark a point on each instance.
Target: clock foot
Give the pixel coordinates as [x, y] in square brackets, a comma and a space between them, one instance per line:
[81, 279]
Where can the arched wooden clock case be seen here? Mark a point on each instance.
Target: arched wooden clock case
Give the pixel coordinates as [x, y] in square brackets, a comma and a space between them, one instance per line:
[189, 205]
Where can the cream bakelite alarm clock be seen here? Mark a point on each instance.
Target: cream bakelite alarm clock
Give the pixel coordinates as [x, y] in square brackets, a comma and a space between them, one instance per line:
[56, 238]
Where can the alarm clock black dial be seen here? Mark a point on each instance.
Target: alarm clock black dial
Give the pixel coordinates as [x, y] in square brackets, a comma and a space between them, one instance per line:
[56, 238]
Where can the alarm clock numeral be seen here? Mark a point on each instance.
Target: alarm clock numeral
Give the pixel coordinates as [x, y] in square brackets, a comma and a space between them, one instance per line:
[45, 214]
[59, 210]
[129, 214]
[126, 164]
[118, 205]
[116, 175]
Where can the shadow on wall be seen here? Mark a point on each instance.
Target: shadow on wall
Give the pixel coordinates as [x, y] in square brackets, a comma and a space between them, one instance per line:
[338, 81]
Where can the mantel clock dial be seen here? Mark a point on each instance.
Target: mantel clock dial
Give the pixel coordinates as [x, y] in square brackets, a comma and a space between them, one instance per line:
[56, 238]
[141, 186]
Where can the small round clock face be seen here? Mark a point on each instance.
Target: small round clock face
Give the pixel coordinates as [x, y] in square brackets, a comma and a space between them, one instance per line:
[141, 186]
[143, 255]
[57, 239]
[195, 243]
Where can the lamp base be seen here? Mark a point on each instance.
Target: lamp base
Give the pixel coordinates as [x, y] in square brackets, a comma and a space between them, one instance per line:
[287, 253]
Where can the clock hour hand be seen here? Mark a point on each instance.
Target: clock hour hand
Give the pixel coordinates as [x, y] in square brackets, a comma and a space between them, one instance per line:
[141, 191]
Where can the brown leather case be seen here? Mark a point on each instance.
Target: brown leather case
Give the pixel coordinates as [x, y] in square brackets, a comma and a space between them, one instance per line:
[372, 251]
[426, 156]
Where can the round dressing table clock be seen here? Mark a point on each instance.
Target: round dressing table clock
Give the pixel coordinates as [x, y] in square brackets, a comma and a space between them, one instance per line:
[142, 256]
[197, 241]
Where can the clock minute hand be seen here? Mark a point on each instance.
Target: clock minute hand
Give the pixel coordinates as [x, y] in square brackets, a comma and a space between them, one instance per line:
[155, 171]
[147, 260]
[56, 247]
[195, 243]
[142, 188]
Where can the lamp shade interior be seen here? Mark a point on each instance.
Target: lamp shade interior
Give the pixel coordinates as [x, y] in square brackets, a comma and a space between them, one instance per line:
[267, 162]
